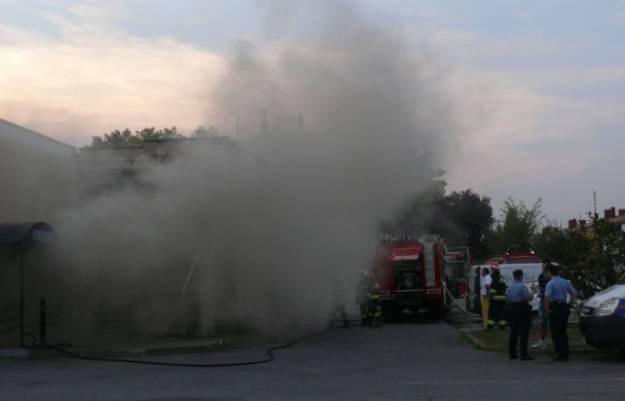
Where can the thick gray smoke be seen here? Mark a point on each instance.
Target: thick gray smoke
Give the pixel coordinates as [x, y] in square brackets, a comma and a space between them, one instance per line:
[335, 131]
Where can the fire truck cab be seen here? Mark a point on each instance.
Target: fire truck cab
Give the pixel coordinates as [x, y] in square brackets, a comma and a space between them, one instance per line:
[410, 275]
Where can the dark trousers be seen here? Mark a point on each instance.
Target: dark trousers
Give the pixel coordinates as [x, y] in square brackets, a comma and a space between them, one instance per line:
[519, 319]
[497, 312]
[559, 320]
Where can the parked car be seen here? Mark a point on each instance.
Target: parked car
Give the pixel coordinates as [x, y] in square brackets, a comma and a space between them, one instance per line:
[602, 319]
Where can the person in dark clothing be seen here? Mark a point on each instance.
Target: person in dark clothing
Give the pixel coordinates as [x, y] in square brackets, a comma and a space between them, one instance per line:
[362, 298]
[369, 301]
[339, 303]
[544, 319]
[497, 308]
[517, 298]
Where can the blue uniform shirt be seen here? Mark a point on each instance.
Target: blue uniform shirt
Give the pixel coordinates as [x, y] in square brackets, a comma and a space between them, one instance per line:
[557, 289]
[517, 292]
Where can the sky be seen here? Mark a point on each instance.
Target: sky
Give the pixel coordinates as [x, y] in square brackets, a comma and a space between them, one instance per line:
[538, 87]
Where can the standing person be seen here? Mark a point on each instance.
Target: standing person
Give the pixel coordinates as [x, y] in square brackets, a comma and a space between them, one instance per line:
[496, 310]
[339, 302]
[485, 282]
[557, 308]
[518, 297]
[375, 310]
[544, 321]
[362, 296]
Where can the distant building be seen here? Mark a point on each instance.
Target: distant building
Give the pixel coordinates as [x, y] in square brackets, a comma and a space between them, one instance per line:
[611, 215]
[40, 177]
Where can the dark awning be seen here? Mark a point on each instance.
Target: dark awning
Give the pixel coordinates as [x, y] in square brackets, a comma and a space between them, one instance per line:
[25, 234]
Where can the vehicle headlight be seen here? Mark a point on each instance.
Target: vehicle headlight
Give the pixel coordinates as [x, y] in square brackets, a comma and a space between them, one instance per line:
[606, 308]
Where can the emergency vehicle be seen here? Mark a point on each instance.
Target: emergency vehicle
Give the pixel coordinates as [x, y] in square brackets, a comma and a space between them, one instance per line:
[410, 275]
[528, 262]
[457, 264]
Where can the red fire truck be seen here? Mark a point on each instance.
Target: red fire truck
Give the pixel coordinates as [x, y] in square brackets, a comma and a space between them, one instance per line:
[410, 274]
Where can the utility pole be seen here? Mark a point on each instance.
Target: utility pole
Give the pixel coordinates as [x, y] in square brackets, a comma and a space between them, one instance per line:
[594, 197]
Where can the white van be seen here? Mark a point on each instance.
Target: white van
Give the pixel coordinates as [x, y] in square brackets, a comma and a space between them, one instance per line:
[531, 271]
[472, 296]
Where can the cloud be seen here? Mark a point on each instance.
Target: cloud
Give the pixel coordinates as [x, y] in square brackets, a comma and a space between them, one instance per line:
[532, 132]
[93, 77]
[522, 107]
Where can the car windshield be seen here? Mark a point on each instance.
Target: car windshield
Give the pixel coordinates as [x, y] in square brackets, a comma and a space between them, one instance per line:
[531, 271]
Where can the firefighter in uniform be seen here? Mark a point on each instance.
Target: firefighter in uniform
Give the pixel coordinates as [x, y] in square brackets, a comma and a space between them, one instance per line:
[369, 301]
[339, 313]
[362, 296]
[497, 299]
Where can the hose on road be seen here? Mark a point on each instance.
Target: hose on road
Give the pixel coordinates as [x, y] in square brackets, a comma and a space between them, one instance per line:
[453, 300]
[270, 357]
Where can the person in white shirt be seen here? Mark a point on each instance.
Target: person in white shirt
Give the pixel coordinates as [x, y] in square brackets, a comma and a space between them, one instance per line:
[485, 283]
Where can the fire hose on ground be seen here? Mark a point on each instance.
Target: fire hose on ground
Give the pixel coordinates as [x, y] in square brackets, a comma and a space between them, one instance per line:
[269, 352]
[453, 300]
[270, 357]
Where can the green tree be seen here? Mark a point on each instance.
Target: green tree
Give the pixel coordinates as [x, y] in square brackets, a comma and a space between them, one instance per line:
[550, 243]
[461, 217]
[202, 132]
[519, 225]
[470, 216]
[595, 258]
[125, 138]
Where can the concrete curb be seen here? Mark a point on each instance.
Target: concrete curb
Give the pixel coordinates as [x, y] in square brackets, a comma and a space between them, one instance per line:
[468, 335]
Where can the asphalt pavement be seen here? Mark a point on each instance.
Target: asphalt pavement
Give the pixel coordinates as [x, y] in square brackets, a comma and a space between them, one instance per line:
[409, 361]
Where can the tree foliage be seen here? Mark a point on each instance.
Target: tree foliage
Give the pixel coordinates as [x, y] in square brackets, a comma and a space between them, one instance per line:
[471, 216]
[551, 242]
[126, 138]
[203, 132]
[519, 225]
[461, 217]
[595, 258]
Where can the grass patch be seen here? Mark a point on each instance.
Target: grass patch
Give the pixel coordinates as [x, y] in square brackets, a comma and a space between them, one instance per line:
[497, 340]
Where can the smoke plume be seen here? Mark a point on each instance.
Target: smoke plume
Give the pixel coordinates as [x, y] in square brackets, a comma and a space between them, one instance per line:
[336, 127]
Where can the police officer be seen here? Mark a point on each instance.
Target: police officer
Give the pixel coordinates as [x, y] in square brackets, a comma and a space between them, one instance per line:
[517, 298]
[496, 310]
[557, 308]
